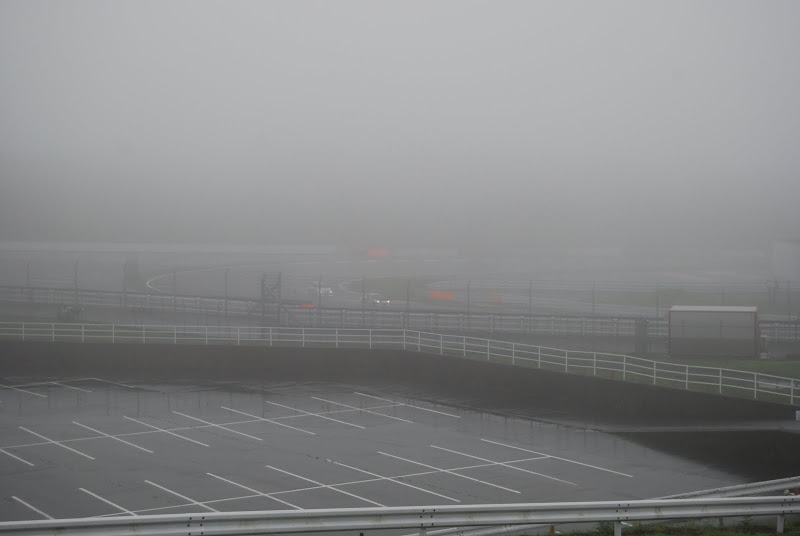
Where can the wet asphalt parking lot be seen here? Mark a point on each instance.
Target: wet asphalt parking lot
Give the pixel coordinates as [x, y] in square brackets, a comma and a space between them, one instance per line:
[77, 447]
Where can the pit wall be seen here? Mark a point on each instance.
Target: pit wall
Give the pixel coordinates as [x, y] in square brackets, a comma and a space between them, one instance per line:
[491, 387]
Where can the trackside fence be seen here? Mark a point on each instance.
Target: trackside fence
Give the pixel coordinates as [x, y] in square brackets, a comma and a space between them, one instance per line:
[599, 364]
[420, 518]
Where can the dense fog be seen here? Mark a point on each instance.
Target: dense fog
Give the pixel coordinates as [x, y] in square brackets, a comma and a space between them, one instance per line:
[466, 124]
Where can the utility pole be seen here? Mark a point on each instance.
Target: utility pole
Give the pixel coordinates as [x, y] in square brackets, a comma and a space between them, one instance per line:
[226, 295]
[469, 283]
[76, 281]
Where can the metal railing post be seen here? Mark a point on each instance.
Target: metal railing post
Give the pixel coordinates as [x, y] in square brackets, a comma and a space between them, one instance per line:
[780, 524]
[303, 338]
[464, 346]
[720, 381]
[624, 367]
[513, 353]
[270, 335]
[206, 335]
[594, 363]
[539, 357]
[617, 528]
[566, 360]
[23, 331]
[238, 336]
[337, 337]
[370, 339]
[82, 332]
[144, 338]
[419, 341]
[655, 371]
[441, 344]
[791, 392]
[113, 333]
[687, 377]
[488, 350]
[174, 334]
[404, 339]
[53, 332]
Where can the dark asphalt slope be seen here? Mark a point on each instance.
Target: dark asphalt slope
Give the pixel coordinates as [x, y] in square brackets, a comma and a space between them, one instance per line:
[490, 387]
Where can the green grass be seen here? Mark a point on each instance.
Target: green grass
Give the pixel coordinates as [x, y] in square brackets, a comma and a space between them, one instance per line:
[776, 367]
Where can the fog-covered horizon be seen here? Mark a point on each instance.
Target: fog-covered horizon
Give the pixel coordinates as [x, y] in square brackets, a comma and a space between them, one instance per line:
[511, 125]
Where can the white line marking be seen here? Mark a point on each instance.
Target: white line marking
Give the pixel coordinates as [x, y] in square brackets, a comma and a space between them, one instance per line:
[56, 443]
[71, 387]
[255, 491]
[393, 479]
[316, 415]
[326, 486]
[217, 426]
[114, 383]
[507, 465]
[361, 409]
[48, 383]
[162, 430]
[118, 507]
[16, 457]
[558, 458]
[409, 405]
[184, 497]
[23, 390]
[268, 420]
[112, 437]
[450, 471]
[32, 507]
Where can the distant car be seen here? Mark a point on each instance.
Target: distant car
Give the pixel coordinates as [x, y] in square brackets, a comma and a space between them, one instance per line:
[374, 298]
[315, 290]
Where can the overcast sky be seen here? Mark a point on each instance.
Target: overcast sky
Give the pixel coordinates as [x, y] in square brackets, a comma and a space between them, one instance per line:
[371, 123]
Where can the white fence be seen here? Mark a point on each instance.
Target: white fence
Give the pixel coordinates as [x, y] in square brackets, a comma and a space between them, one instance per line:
[605, 365]
[421, 518]
[375, 317]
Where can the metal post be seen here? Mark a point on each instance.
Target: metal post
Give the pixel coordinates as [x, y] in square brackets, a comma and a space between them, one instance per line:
[791, 391]
[720, 381]
[419, 341]
[23, 331]
[464, 346]
[513, 353]
[53, 332]
[206, 335]
[303, 337]
[687, 377]
[144, 339]
[488, 350]
[617, 528]
[337, 338]
[174, 334]
[82, 334]
[655, 371]
[594, 363]
[370, 339]
[539, 353]
[566, 360]
[624, 367]
[755, 385]
[113, 333]
[270, 335]
[238, 335]
[441, 344]
[780, 524]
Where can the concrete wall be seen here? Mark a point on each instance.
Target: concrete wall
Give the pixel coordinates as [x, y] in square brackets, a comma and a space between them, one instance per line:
[491, 387]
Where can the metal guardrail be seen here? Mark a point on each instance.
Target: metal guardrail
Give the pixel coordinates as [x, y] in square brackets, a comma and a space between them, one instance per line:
[605, 365]
[421, 518]
[460, 321]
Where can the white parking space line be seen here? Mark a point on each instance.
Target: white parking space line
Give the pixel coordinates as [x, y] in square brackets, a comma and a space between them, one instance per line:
[409, 405]
[184, 497]
[71, 387]
[450, 471]
[56, 443]
[217, 426]
[267, 495]
[315, 415]
[326, 486]
[32, 507]
[112, 437]
[16, 457]
[22, 390]
[165, 431]
[268, 420]
[114, 383]
[362, 409]
[98, 497]
[394, 479]
[505, 464]
[558, 458]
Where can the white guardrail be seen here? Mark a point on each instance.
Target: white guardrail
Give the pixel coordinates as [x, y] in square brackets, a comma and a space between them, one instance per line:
[420, 518]
[607, 365]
